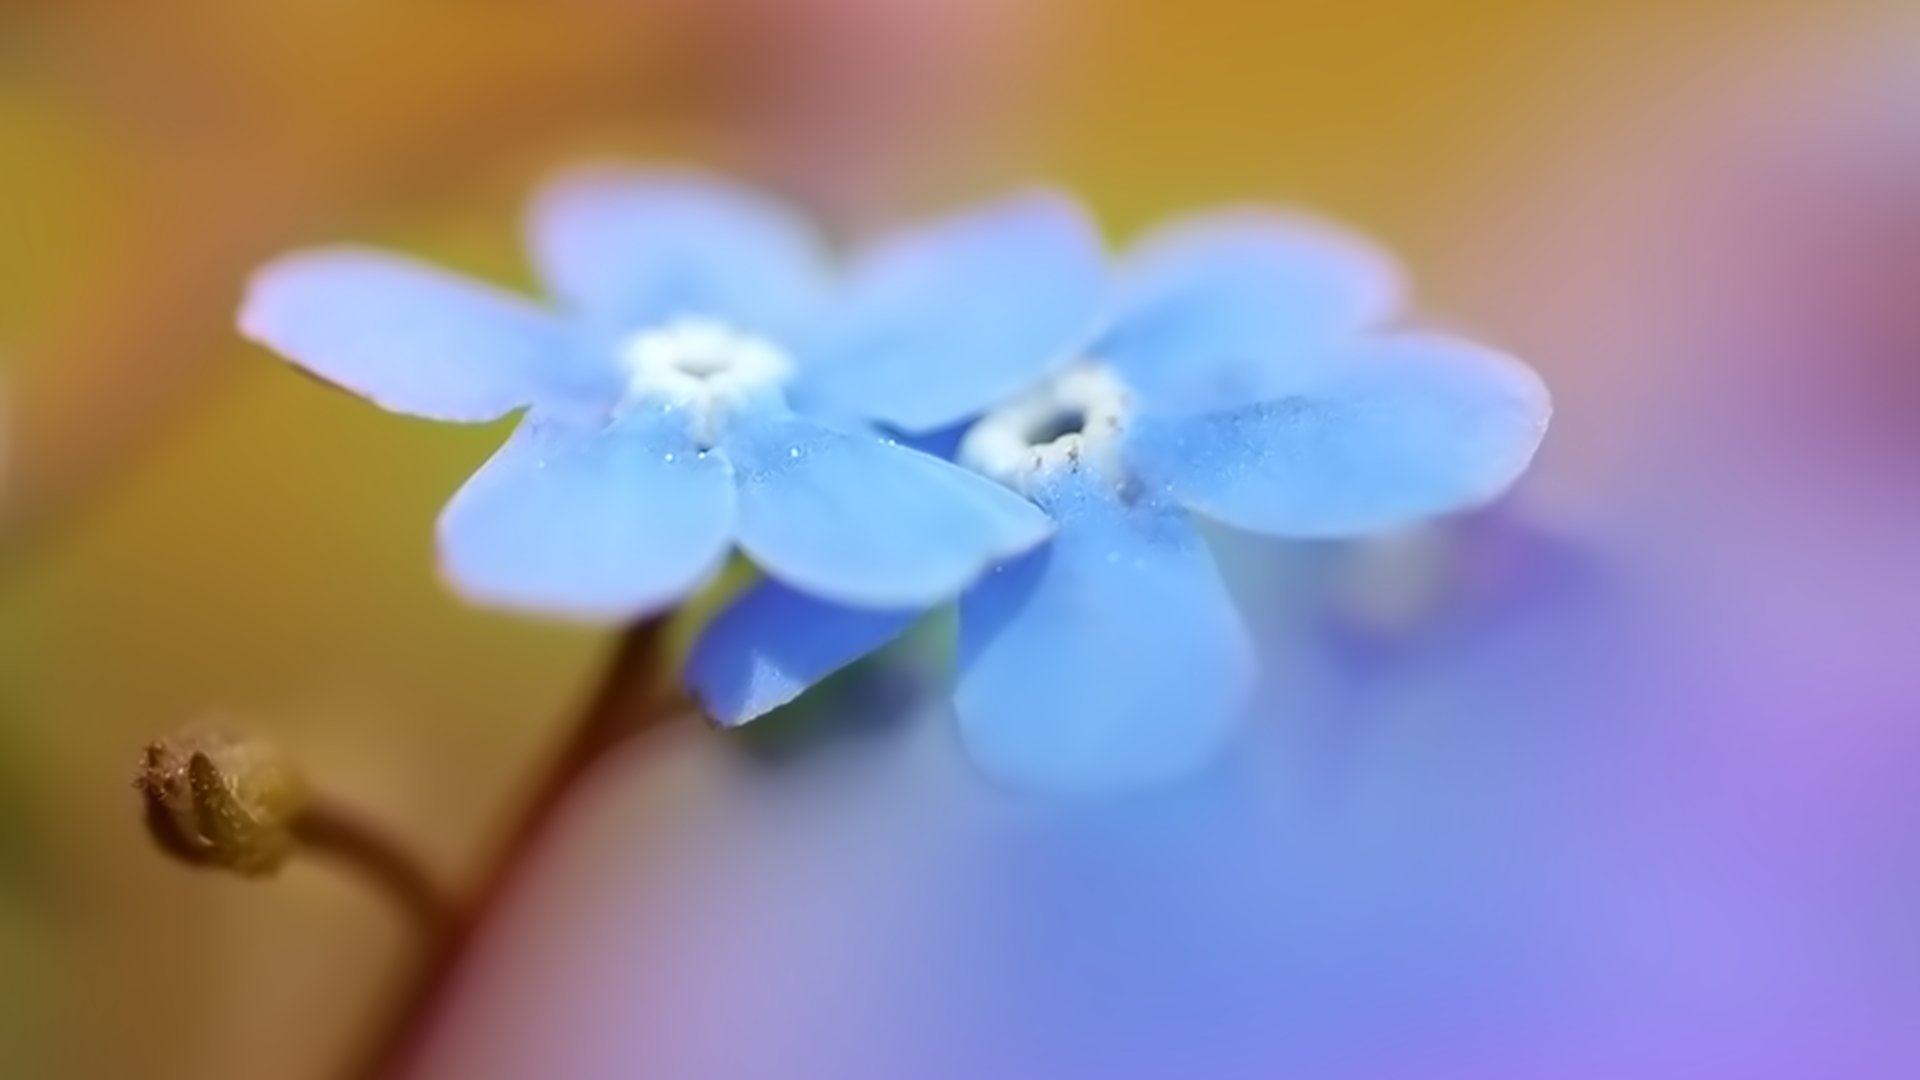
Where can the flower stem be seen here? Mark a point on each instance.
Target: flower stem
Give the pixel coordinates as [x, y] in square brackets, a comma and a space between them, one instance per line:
[328, 829]
[628, 700]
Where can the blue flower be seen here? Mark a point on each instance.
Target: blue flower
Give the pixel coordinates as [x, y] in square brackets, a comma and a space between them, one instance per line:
[1241, 369]
[698, 383]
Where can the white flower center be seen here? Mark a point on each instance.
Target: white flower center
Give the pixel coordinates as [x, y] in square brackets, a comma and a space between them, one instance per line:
[705, 367]
[1076, 419]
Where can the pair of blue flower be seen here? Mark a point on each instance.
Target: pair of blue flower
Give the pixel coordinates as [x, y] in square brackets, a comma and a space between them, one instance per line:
[703, 381]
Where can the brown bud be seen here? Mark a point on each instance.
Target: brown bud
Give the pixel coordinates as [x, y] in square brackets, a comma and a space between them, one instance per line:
[219, 800]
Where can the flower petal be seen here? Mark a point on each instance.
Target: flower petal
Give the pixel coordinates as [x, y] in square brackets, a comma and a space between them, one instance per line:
[1394, 430]
[408, 336]
[773, 643]
[944, 322]
[1217, 310]
[847, 515]
[1110, 659]
[597, 525]
[629, 247]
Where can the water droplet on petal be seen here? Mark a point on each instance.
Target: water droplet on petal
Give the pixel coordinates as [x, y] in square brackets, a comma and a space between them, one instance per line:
[793, 451]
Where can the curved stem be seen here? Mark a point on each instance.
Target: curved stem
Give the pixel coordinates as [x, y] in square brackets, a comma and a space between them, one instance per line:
[628, 700]
[330, 829]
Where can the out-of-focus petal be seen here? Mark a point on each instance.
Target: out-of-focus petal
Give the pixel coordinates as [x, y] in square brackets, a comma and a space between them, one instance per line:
[1110, 659]
[628, 247]
[1220, 309]
[410, 337]
[849, 516]
[944, 322]
[1388, 432]
[597, 525]
[773, 643]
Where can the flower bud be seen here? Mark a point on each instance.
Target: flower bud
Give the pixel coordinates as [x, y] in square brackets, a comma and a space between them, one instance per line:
[219, 800]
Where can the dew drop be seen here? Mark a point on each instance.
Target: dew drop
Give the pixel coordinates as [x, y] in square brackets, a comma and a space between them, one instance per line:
[793, 451]
[669, 458]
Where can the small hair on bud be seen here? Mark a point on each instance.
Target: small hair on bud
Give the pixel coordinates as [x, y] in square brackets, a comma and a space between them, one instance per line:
[220, 800]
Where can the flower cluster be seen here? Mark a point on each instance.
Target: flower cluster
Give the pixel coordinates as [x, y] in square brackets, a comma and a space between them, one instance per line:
[702, 380]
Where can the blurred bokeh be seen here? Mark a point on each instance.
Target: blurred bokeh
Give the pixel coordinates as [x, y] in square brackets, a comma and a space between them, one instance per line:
[1682, 655]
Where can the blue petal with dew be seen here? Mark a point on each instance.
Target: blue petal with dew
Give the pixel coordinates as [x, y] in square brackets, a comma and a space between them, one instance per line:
[1110, 659]
[945, 322]
[847, 515]
[1222, 308]
[772, 644]
[597, 524]
[629, 247]
[1383, 434]
[410, 337]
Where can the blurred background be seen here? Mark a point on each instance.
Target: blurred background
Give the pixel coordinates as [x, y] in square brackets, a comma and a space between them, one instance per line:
[1699, 218]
